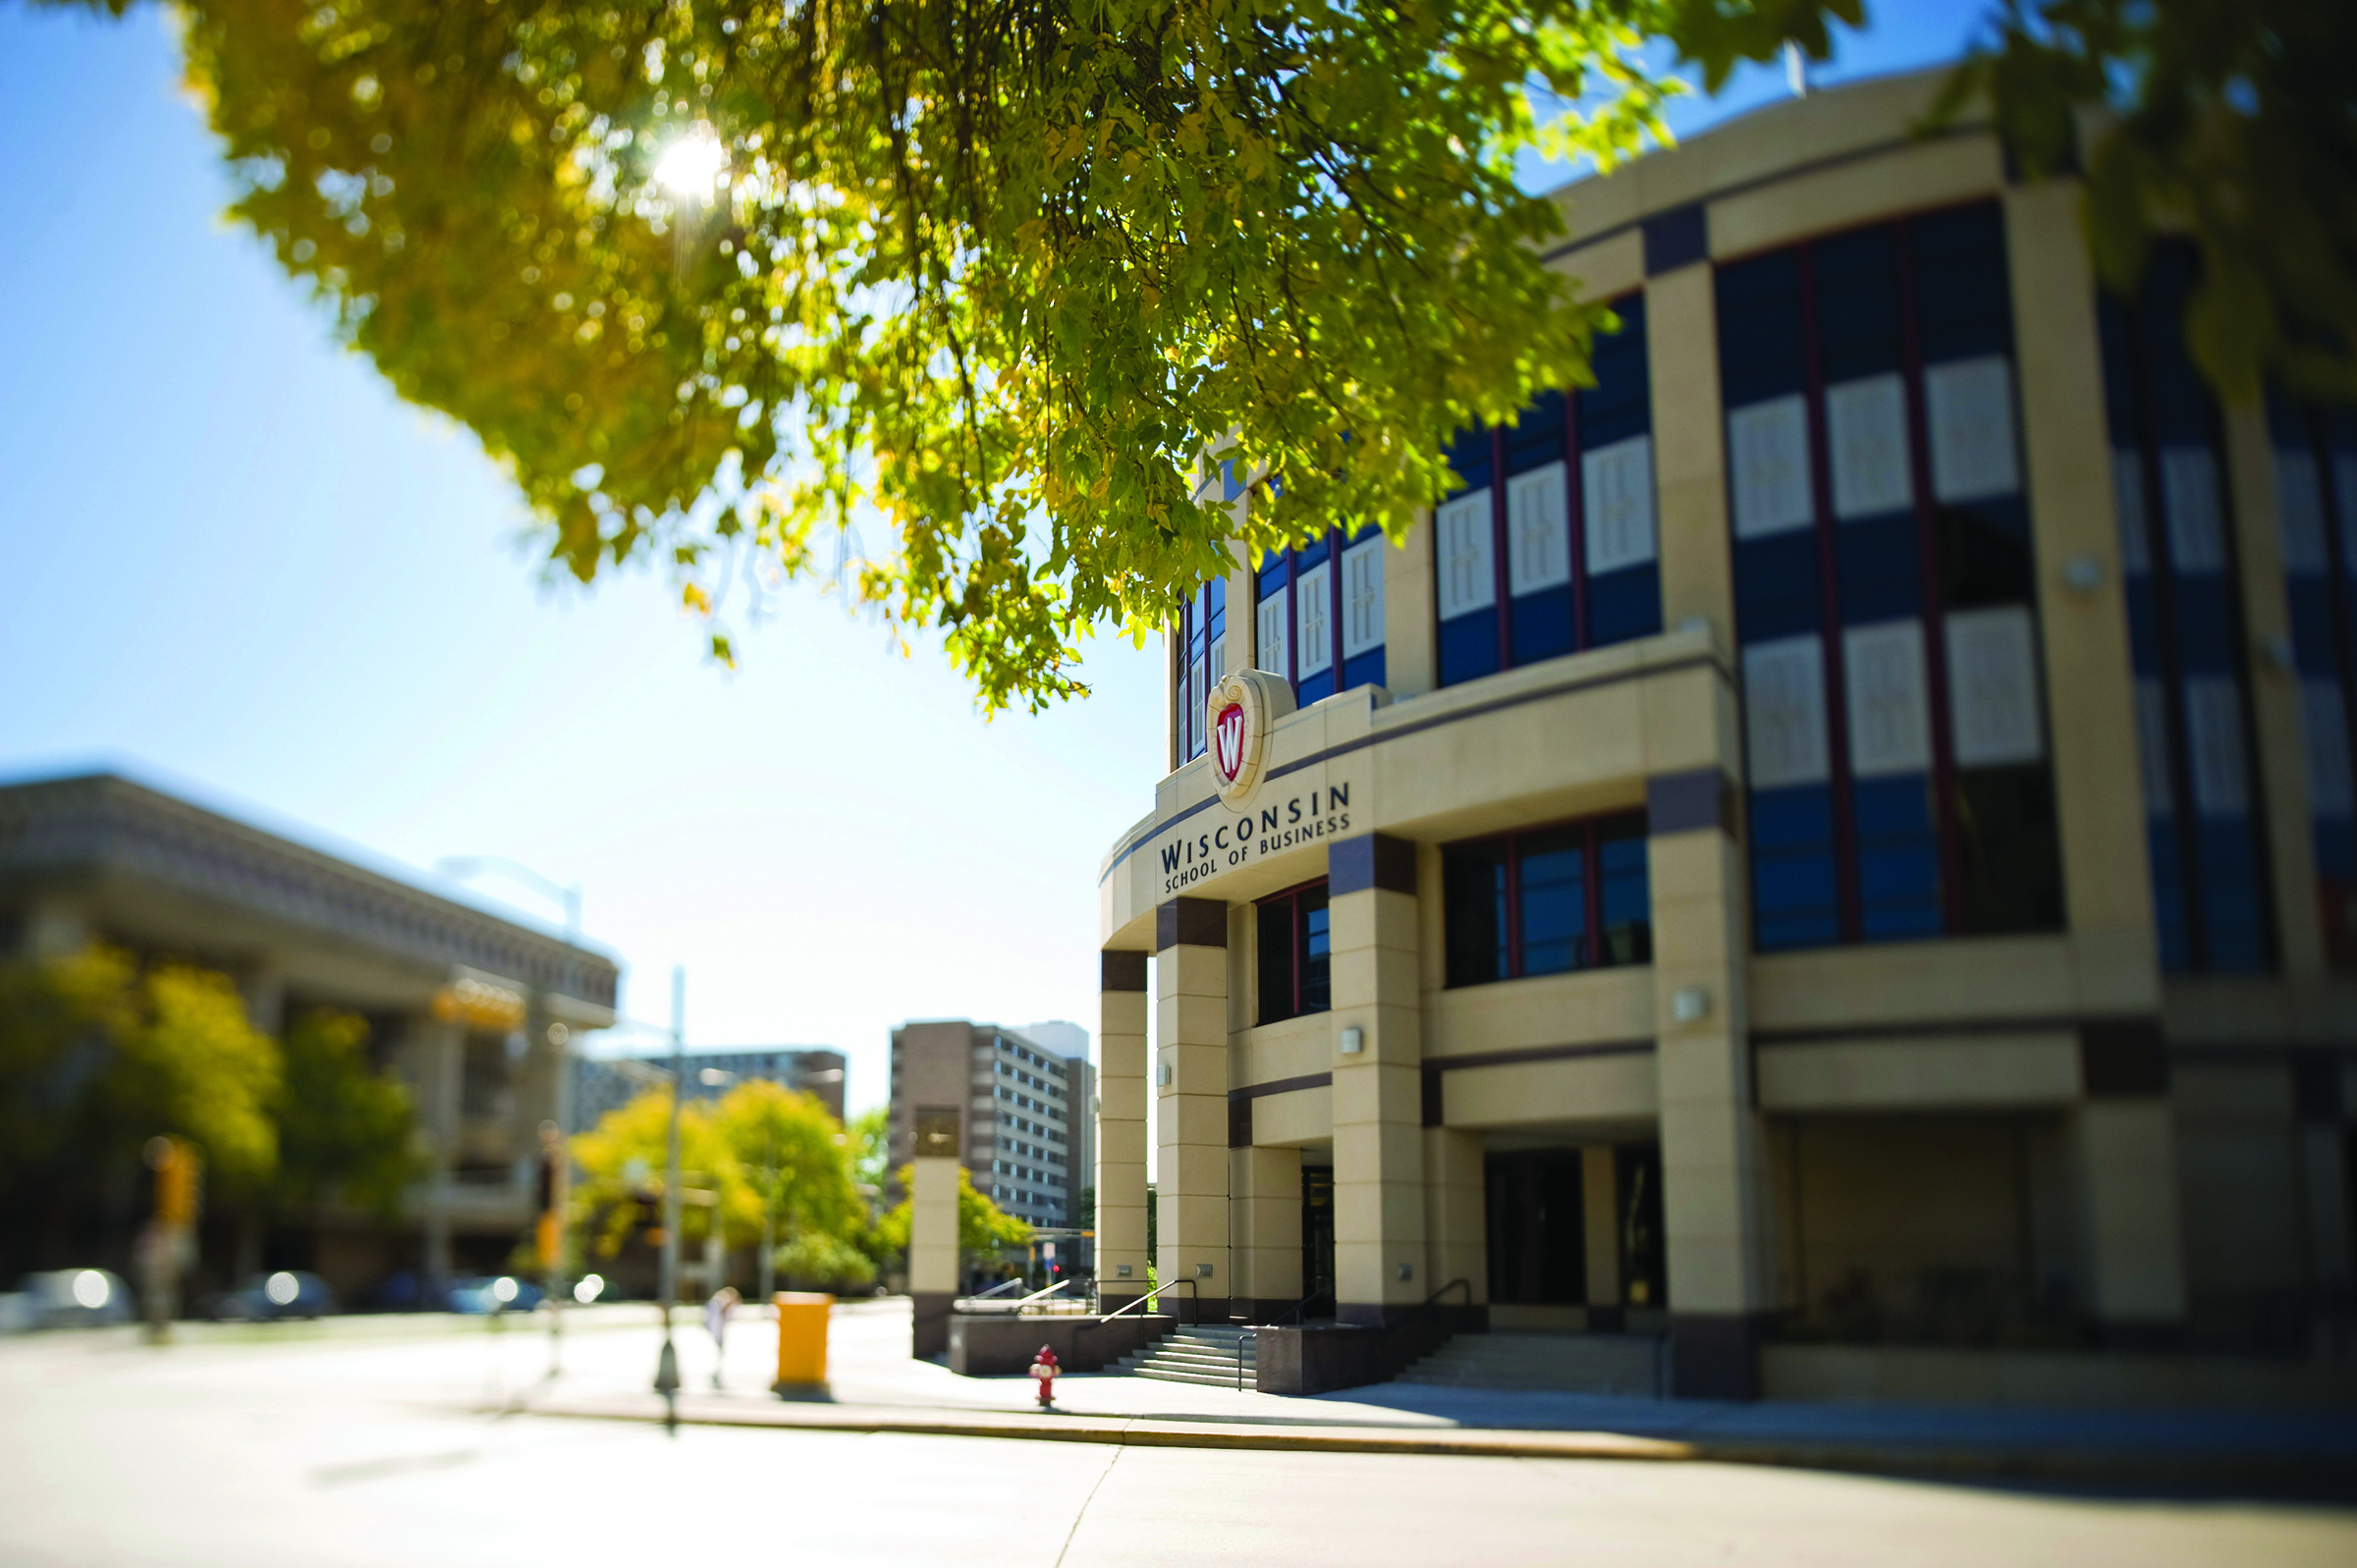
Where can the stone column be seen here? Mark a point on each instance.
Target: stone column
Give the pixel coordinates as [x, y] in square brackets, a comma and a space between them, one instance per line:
[1121, 1173]
[1190, 1074]
[1600, 1205]
[1265, 1213]
[1379, 1235]
[2280, 785]
[2323, 1153]
[1714, 1173]
[1689, 459]
[444, 1064]
[933, 1230]
[2124, 1143]
[1456, 1211]
[2090, 685]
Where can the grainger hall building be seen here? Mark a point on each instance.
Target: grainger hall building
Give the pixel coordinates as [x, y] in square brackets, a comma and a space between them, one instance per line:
[1830, 854]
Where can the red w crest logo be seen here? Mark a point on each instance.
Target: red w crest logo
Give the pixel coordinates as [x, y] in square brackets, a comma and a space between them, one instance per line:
[1228, 740]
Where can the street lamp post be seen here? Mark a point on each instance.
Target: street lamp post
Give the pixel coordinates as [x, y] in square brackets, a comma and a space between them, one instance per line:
[667, 1368]
[463, 867]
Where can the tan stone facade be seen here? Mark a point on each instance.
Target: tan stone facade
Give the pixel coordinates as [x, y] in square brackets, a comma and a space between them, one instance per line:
[2062, 1135]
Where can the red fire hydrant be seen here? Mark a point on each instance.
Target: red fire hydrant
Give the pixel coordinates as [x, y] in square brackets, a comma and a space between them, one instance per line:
[1044, 1366]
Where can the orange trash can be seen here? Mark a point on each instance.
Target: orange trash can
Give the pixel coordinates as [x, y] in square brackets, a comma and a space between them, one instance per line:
[801, 1340]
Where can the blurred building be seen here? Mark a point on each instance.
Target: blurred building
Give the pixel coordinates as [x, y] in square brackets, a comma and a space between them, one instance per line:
[1832, 858]
[1023, 1112]
[609, 1082]
[477, 1014]
[605, 1084]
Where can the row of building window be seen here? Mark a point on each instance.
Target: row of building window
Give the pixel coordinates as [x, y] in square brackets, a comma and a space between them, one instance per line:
[1884, 590]
[2315, 487]
[1550, 547]
[1008, 1168]
[1547, 900]
[1899, 773]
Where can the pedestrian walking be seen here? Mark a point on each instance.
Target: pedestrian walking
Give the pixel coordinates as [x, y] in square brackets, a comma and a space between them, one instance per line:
[716, 1323]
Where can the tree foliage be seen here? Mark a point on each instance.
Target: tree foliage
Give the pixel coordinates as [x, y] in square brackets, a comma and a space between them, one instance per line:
[2234, 120]
[983, 1227]
[760, 1147]
[347, 1131]
[981, 283]
[97, 1055]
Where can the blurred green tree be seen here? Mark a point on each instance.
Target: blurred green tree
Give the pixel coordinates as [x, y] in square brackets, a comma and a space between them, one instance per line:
[871, 1147]
[794, 1168]
[347, 1131]
[99, 1054]
[984, 1229]
[778, 1165]
[722, 280]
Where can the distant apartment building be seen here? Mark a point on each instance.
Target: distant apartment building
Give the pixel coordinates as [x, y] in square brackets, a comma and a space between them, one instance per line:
[481, 1016]
[1026, 1118]
[603, 1085]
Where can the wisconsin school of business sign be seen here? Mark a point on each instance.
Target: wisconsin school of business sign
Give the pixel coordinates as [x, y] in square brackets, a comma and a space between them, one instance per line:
[1239, 714]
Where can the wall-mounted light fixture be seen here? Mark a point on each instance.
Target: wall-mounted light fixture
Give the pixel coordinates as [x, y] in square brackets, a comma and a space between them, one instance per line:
[1202, 1270]
[1407, 1271]
[1355, 1041]
[1690, 1003]
[1162, 1076]
[2083, 574]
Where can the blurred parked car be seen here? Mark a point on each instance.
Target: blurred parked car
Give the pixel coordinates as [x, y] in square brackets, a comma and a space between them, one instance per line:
[67, 1298]
[486, 1294]
[284, 1294]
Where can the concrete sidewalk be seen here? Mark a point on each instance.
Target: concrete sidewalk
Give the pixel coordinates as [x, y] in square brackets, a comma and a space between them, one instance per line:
[874, 1387]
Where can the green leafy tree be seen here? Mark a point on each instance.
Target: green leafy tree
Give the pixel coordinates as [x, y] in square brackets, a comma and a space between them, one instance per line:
[631, 1139]
[984, 1229]
[99, 1055]
[347, 1132]
[778, 1165]
[871, 1147]
[793, 1168]
[947, 301]
[2232, 121]
[183, 1060]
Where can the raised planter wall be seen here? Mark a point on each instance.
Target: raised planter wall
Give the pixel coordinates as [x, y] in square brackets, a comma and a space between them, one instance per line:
[1002, 1345]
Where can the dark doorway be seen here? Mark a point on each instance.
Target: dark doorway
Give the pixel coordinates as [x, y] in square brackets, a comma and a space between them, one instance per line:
[1317, 1240]
[1538, 1235]
[1644, 1280]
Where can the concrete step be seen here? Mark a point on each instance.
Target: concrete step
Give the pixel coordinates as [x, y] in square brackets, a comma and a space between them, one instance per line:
[1603, 1364]
[1205, 1379]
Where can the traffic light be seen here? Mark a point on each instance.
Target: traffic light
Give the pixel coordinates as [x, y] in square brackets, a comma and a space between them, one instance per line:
[178, 1181]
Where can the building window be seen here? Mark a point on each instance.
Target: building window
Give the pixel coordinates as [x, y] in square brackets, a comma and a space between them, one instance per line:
[2316, 497]
[1885, 589]
[2176, 543]
[1318, 627]
[1550, 546]
[1548, 900]
[1202, 659]
[1294, 946]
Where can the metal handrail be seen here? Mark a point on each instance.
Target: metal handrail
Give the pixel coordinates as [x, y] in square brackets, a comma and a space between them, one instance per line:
[1123, 1311]
[1295, 1310]
[1392, 1335]
[985, 1295]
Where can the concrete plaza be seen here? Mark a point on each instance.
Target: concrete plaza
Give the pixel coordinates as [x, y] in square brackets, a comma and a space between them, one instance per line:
[359, 1443]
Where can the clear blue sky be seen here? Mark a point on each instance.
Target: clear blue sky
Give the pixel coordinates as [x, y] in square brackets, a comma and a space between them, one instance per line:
[232, 564]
